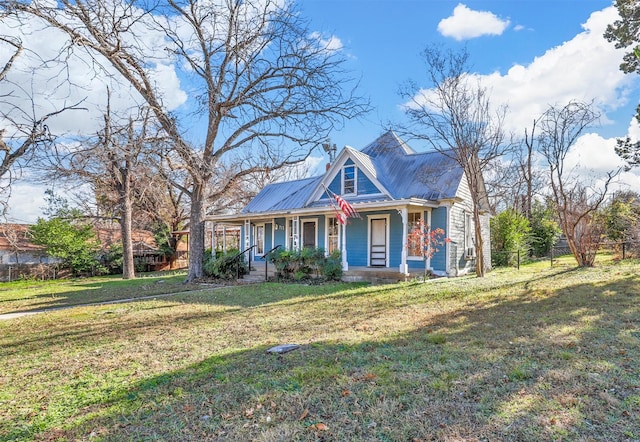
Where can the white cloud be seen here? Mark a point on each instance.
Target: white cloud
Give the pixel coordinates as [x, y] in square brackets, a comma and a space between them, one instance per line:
[25, 202]
[466, 23]
[330, 44]
[583, 68]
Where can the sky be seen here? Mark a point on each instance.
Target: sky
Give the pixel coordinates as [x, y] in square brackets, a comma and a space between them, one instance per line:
[528, 53]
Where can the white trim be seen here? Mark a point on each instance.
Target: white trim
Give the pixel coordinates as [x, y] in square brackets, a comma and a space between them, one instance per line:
[255, 239]
[273, 233]
[247, 233]
[355, 179]
[294, 221]
[447, 246]
[428, 221]
[386, 217]
[343, 248]
[404, 215]
[302, 223]
[336, 168]
[362, 206]
[327, 217]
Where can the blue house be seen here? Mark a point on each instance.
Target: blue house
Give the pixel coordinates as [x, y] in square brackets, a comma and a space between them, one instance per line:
[392, 187]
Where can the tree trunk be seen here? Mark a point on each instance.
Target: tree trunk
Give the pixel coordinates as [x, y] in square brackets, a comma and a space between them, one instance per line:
[480, 267]
[196, 233]
[128, 265]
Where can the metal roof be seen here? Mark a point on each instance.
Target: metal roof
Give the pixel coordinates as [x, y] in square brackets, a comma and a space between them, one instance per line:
[404, 173]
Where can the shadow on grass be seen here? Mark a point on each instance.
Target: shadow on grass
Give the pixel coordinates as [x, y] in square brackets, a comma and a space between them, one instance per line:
[552, 367]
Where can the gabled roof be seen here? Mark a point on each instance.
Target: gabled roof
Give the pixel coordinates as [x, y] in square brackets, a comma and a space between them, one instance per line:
[397, 170]
[282, 196]
[407, 174]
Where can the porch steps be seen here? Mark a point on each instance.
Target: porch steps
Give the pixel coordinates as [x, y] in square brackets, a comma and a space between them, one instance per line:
[373, 276]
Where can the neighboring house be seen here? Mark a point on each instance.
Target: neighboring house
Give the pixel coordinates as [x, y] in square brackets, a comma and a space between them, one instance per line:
[145, 249]
[16, 246]
[392, 187]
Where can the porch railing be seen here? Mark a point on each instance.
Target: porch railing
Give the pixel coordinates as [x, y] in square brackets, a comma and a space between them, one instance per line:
[266, 261]
[237, 259]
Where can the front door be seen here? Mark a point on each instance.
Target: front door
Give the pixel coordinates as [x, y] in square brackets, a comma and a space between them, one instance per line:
[309, 234]
[378, 252]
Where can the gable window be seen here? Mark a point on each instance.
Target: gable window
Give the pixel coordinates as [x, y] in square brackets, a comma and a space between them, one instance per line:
[349, 180]
[414, 242]
[333, 235]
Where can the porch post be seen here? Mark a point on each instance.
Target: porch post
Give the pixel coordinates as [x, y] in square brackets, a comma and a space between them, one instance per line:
[429, 226]
[343, 251]
[214, 226]
[224, 239]
[247, 233]
[404, 268]
[447, 246]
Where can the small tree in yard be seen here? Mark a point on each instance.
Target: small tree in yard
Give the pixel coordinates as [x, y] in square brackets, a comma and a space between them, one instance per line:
[577, 205]
[67, 237]
[544, 227]
[510, 232]
[76, 244]
[427, 241]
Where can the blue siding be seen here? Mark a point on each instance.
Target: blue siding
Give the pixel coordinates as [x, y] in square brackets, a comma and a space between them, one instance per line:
[365, 185]
[439, 220]
[396, 239]
[357, 242]
[336, 184]
[268, 236]
[321, 232]
[280, 237]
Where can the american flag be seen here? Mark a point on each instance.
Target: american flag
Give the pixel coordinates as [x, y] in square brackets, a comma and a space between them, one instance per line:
[346, 208]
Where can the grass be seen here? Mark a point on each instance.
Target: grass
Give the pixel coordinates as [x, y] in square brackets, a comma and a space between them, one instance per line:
[531, 355]
[30, 295]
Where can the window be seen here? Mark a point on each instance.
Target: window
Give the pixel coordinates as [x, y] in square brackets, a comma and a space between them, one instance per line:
[348, 180]
[469, 243]
[414, 241]
[292, 227]
[333, 235]
[260, 240]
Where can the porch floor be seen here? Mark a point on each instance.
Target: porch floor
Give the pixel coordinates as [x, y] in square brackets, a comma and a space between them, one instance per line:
[377, 275]
[374, 275]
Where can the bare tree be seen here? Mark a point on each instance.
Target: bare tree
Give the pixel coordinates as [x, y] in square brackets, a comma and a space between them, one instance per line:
[110, 162]
[267, 89]
[456, 118]
[560, 127]
[25, 129]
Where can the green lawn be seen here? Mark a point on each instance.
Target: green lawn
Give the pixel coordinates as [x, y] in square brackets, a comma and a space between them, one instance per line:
[531, 355]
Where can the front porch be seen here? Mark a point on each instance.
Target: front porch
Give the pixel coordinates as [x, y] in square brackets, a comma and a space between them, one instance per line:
[374, 275]
[378, 275]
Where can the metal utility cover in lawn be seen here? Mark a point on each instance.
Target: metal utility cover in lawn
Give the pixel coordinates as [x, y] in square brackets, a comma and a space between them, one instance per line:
[281, 349]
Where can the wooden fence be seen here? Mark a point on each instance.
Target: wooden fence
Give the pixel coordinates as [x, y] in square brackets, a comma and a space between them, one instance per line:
[12, 272]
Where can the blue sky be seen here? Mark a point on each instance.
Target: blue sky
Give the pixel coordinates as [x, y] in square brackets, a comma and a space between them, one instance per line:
[383, 40]
[528, 53]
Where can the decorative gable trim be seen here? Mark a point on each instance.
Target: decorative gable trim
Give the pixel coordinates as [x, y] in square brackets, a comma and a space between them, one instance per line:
[348, 153]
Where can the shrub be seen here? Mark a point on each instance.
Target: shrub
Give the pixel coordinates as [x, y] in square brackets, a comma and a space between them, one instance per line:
[300, 265]
[332, 269]
[509, 235]
[227, 266]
